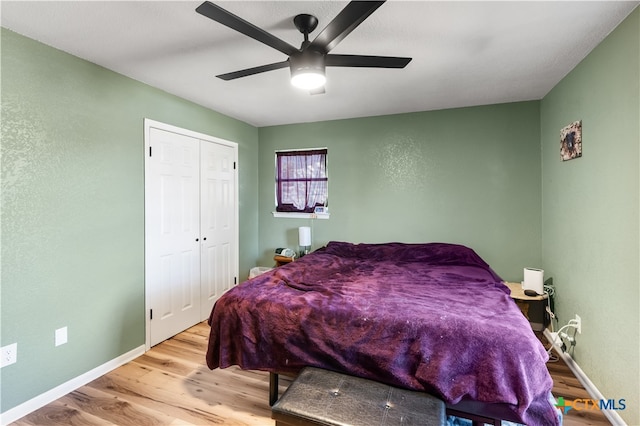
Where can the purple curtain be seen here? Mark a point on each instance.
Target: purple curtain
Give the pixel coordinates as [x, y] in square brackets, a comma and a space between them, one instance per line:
[301, 180]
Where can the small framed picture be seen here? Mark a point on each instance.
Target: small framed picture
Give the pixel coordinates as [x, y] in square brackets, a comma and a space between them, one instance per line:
[571, 141]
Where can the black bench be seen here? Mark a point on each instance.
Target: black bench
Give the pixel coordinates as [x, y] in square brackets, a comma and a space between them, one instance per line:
[322, 397]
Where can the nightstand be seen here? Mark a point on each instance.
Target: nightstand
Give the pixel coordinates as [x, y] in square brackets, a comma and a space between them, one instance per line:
[532, 307]
[282, 260]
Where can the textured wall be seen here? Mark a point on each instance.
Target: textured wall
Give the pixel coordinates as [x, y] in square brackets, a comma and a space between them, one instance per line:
[468, 176]
[591, 211]
[73, 209]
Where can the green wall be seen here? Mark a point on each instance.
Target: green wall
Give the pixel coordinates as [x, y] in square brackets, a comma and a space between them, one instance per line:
[469, 176]
[590, 211]
[73, 209]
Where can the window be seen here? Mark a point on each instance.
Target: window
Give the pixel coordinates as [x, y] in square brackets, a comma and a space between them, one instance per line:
[301, 180]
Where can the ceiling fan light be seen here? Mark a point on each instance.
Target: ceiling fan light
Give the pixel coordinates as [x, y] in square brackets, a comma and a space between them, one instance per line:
[307, 70]
[308, 79]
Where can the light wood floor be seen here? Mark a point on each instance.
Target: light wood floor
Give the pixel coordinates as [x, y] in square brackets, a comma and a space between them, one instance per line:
[171, 385]
[567, 386]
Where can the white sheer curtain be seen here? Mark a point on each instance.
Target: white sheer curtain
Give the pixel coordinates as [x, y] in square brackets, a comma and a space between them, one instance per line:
[301, 180]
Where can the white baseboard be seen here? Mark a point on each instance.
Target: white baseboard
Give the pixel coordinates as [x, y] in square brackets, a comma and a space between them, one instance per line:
[591, 389]
[43, 399]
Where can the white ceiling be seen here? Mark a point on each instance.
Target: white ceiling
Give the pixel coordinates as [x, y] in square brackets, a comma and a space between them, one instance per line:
[464, 53]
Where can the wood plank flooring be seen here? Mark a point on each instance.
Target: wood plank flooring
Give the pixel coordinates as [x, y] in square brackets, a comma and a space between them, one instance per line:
[171, 385]
[566, 385]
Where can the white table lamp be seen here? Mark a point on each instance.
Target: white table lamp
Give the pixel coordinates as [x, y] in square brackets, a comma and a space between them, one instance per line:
[304, 240]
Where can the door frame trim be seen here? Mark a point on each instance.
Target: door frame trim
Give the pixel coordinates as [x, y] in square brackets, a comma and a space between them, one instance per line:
[153, 124]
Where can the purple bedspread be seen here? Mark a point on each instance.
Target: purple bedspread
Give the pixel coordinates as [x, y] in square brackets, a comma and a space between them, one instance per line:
[430, 317]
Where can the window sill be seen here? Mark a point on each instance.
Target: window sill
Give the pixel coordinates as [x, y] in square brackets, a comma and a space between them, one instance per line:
[301, 215]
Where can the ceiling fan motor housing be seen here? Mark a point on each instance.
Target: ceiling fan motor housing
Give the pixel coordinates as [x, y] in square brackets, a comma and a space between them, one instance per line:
[307, 69]
[307, 61]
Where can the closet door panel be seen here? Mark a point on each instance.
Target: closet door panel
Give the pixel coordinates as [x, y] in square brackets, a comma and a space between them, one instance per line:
[217, 221]
[172, 251]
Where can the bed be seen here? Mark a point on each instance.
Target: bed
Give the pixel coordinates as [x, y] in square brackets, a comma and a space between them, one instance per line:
[431, 317]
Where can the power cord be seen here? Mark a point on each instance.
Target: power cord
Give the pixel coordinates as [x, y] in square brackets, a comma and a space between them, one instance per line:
[572, 338]
[550, 291]
[563, 335]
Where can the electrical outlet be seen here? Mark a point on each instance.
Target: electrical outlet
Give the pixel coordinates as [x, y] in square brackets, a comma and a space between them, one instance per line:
[61, 336]
[578, 324]
[8, 355]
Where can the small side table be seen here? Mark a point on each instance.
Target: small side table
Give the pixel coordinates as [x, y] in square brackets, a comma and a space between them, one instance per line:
[532, 307]
[282, 260]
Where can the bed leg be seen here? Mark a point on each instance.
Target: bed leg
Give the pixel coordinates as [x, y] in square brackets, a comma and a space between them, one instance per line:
[273, 388]
[476, 419]
[495, 422]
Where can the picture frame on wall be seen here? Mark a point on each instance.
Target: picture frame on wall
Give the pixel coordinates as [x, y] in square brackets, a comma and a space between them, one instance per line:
[571, 141]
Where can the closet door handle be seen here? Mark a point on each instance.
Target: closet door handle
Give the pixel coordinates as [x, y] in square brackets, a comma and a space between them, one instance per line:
[204, 239]
[197, 239]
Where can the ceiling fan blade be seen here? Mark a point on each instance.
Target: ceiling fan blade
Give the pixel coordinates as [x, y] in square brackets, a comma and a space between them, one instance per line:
[366, 61]
[232, 21]
[342, 25]
[254, 70]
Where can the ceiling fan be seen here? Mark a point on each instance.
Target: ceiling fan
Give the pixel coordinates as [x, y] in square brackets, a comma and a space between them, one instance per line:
[308, 62]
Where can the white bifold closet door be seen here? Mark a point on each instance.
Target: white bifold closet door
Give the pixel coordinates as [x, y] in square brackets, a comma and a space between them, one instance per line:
[217, 223]
[190, 229]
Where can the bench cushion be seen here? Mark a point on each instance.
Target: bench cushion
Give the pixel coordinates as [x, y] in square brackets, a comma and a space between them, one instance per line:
[322, 397]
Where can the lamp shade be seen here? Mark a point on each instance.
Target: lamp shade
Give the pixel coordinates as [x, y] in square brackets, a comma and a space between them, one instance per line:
[304, 236]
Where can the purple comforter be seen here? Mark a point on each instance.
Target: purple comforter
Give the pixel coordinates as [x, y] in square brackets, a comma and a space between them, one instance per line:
[430, 317]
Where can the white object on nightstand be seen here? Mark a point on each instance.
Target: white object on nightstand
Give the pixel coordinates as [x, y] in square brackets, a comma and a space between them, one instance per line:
[533, 280]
